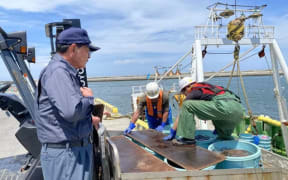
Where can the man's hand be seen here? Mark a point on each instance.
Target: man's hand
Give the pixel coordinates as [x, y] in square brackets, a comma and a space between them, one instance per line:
[86, 92]
[95, 121]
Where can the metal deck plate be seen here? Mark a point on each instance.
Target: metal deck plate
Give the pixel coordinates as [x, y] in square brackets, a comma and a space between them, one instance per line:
[188, 157]
[135, 159]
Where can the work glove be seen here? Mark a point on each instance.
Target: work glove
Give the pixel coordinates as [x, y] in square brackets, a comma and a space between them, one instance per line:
[160, 128]
[129, 129]
[171, 135]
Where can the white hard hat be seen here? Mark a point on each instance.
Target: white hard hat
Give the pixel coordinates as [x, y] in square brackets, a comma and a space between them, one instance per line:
[185, 82]
[152, 90]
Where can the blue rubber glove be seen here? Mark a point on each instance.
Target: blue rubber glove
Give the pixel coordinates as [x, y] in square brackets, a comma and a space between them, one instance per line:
[170, 136]
[160, 128]
[129, 129]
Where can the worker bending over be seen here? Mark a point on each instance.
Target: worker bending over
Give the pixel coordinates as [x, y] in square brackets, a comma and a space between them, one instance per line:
[209, 102]
[157, 110]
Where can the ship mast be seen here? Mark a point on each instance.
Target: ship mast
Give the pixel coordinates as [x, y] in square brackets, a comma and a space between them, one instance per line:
[214, 33]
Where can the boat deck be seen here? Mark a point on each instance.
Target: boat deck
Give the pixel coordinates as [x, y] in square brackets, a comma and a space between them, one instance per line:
[188, 157]
[12, 154]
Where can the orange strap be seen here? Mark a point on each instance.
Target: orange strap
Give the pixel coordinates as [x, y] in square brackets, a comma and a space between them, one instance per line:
[159, 105]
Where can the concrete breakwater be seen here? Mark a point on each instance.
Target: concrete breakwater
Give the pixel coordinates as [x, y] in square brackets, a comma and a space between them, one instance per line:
[152, 76]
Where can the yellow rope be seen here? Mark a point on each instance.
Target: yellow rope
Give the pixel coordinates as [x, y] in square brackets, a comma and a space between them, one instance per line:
[236, 33]
[236, 61]
[236, 57]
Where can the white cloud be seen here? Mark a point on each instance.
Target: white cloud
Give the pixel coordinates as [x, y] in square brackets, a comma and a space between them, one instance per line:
[281, 30]
[41, 63]
[153, 26]
[2, 14]
[141, 26]
[281, 25]
[129, 32]
[42, 60]
[129, 61]
[34, 5]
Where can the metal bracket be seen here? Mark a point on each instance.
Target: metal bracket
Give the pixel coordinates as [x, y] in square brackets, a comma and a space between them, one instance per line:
[3, 45]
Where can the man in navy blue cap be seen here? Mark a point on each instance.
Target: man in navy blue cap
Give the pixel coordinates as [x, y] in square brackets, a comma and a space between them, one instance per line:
[77, 36]
[64, 122]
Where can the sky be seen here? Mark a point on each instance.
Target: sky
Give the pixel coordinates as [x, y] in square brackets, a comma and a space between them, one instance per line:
[134, 35]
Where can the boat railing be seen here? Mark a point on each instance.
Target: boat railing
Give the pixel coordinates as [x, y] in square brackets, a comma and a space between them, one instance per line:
[221, 31]
[136, 92]
[174, 88]
[138, 89]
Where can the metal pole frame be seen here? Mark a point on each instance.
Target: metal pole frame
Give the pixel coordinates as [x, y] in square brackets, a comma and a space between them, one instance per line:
[198, 51]
[18, 77]
[199, 74]
[276, 56]
[21, 62]
[179, 61]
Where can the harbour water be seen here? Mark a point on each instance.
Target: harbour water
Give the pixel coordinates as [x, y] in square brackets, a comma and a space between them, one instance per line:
[259, 91]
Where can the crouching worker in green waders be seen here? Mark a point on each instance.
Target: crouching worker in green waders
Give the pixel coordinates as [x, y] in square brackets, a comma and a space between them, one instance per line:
[209, 102]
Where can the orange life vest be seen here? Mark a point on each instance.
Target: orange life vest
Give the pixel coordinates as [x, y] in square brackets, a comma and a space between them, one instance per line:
[159, 105]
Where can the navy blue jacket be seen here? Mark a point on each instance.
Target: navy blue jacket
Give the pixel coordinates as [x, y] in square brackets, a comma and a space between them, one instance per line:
[63, 113]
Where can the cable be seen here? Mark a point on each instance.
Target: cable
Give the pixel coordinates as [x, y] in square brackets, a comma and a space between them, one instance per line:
[219, 53]
[186, 65]
[268, 66]
[225, 67]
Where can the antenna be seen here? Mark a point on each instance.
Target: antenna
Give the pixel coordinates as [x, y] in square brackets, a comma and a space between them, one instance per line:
[235, 10]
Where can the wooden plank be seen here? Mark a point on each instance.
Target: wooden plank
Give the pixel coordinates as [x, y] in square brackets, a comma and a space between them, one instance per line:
[135, 159]
[187, 157]
[225, 174]
[274, 160]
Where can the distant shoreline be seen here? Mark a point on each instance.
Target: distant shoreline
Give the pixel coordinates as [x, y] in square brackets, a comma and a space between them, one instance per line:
[152, 76]
[206, 74]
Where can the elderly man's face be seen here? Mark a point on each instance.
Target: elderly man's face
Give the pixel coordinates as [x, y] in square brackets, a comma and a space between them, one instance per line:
[81, 56]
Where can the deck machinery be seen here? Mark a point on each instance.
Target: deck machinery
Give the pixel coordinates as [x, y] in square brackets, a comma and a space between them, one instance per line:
[16, 55]
[238, 26]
